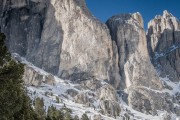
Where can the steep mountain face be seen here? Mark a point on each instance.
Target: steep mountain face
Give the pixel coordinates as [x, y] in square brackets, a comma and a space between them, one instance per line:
[60, 36]
[128, 33]
[138, 74]
[163, 38]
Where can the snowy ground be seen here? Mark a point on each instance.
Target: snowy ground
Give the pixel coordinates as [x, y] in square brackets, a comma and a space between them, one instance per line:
[78, 109]
[59, 90]
[50, 93]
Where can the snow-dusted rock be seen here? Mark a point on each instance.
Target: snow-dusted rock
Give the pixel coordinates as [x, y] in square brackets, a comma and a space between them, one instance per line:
[36, 78]
[176, 98]
[163, 38]
[177, 111]
[149, 101]
[91, 84]
[107, 92]
[72, 92]
[82, 98]
[109, 107]
[97, 117]
[108, 100]
[144, 87]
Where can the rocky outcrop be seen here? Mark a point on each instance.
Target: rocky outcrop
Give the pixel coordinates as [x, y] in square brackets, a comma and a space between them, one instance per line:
[107, 92]
[104, 99]
[60, 36]
[22, 22]
[72, 92]
[128, 33]
[138, 74]
[110, 108]
[97, 117]
[35, 78]
[86, 98]
[163, 38]
[148, 101]
[108, 100]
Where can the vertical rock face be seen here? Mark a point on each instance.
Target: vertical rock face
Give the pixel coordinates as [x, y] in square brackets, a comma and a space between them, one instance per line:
[163, 38]
[87, 46]
[128, 33]
[23, 21]
[60, 36]
[137, 72]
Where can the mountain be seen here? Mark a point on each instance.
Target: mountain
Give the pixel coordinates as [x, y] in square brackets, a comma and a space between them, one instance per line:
[114, 69]
[163, 38]
[60, 36]
[127, 30]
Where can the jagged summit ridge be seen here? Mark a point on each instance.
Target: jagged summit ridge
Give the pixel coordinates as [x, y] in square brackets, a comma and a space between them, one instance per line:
[160, 25]
[165, 21]
[163, 38]
[167, 14]
[134, 19]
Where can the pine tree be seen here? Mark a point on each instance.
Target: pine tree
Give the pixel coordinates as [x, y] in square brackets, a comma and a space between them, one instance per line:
[26, 111]
[57, 99]
[54, 114]
[39, 108]
[76, 117]
[67, 116]
[14, 103]
[84, 117]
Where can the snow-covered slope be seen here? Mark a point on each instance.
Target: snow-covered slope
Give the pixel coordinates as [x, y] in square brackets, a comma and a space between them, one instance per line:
[67, 91]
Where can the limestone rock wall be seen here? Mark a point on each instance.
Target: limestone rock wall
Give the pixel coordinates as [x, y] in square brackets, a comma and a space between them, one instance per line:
[60, 36]
[35, 78]
[139, 76]
[128, 33]
[163, 38]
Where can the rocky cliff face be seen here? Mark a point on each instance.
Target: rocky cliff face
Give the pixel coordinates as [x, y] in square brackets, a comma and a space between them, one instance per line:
[34, 76]
[140, 78]
[60, 36]
[163, 38]
[128, 33]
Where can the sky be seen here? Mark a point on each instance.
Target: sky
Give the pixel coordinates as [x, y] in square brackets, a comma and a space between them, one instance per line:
[104, 9]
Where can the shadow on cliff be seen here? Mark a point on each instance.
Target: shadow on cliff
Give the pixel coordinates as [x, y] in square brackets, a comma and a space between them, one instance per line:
[34, 33]
[167, 46]
[124, 42]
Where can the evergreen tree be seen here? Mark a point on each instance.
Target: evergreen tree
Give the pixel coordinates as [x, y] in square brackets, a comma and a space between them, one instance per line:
[14, 103]
[84, 117]
[57, 99]
[39, 108]
[54, 114]
[26, 111]
[76, 117]
[67, 116]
